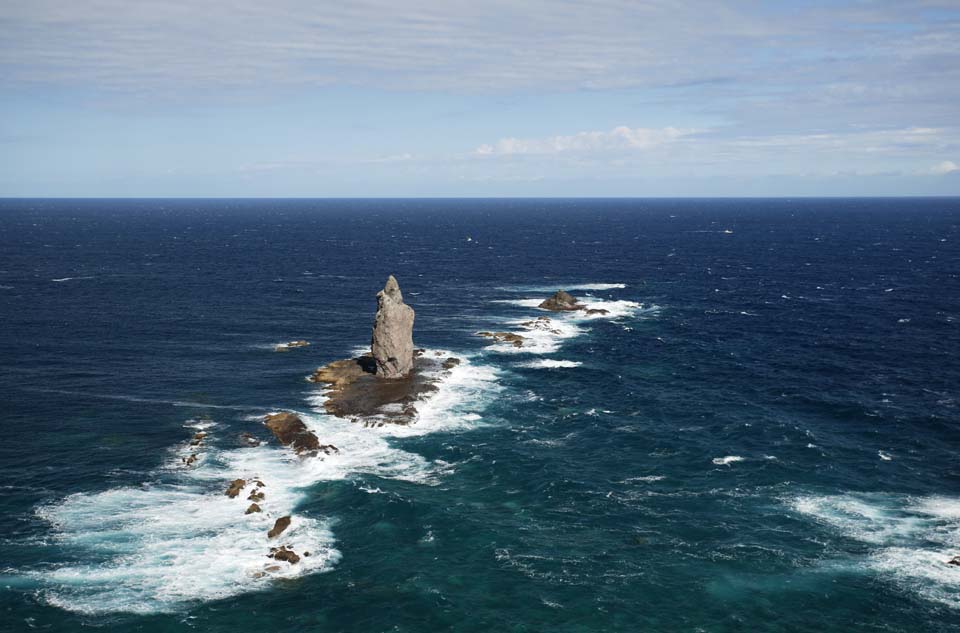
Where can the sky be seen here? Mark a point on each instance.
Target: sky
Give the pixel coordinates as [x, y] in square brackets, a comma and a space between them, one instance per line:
[397, 98]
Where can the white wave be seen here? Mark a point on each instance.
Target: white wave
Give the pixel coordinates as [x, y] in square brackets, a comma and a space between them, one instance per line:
[912, 539]
[726, 461]
[884, 456]
[567, 287]
[549, 363]
[158, 548]
[541, 336]
[645, 479]
[63, 279]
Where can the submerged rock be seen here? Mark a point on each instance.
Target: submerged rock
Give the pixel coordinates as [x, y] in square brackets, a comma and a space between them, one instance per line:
[392, 342]
[561, 301]
[281, 524]
[235, 487]
[248, 440]
[290, 430]
[504, 337]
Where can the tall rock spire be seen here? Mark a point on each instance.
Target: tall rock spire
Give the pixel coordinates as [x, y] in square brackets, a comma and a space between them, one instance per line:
[392, 343]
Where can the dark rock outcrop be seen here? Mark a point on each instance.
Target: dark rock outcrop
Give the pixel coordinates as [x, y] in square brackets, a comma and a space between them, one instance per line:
[561, 301]
[248, 440]
[281, 524]
[504, 337]
[450, 363]
[253, 508]
[392, 342]
[235, 487]
[354, 391]
[954, 561]
[284, 554]
[290, 430]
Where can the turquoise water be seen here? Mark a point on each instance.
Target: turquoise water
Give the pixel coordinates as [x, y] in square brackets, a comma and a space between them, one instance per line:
[761, 435]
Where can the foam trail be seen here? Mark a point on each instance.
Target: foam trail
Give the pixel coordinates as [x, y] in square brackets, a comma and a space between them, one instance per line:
[162, 547]
[568, 287]
[549, 363]
[911, 539]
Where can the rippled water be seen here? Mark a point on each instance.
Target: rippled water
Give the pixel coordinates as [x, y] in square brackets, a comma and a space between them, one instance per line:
[760, 434]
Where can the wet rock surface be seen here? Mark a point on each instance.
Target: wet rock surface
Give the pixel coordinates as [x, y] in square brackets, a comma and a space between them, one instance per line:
[279, 526]
[285, 554]
[290, 431]
[356, 393]
[561, 301]
[504, 337]
[235, 487]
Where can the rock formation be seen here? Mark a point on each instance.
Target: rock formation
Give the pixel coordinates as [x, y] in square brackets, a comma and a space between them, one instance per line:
[290, 430]
[392, 343]
[504, 337]
[561, 301]
[281, 524]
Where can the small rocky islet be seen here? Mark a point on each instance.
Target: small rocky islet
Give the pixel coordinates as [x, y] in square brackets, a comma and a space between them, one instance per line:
[560, 301]
[379, 387]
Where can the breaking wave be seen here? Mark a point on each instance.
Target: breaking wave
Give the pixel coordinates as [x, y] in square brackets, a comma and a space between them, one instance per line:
[159, 547]
[910, 539]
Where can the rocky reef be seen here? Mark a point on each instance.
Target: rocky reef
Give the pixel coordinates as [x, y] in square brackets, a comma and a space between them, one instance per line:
[563, 301]
[383, 385]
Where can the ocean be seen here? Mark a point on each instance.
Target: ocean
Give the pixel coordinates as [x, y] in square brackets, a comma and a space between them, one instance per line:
[761, 434]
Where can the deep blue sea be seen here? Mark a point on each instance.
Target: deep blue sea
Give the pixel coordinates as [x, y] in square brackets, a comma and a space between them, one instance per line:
[762, 434]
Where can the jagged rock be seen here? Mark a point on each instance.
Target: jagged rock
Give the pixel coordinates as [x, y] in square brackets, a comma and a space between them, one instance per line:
[504, 337]
[450, 363]
[329, 449]
[561, 301]
[392, 342]
[954, 561]
[290, 430]
[284, 554]
[256, 496]
[235, 488]
[249, 440]
[281, 524]
[253, 508]
[597, 311]
[286, 347]
[189, 460]
[197, 438]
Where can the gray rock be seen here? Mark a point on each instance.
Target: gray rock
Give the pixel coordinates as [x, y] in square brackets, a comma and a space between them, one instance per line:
[392, 343]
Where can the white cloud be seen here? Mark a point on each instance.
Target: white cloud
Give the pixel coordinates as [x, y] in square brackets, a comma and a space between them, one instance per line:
[945, 167]
[618, 139]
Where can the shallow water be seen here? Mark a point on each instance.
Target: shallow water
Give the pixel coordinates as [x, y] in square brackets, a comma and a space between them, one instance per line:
[760, 435]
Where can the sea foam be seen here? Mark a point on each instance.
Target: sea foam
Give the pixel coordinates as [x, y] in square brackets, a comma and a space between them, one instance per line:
[161, 547]
[910, 539]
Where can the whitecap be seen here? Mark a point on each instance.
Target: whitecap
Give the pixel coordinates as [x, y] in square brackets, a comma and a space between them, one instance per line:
[161, 547]
[549, 363]
[567, 287]
[884, 456]
[726, 461]
[911, 539]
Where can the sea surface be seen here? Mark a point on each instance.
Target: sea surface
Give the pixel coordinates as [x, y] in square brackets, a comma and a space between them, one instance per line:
[762, 434]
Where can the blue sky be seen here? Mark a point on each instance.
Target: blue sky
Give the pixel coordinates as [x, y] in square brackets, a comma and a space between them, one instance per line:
[479, 98]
